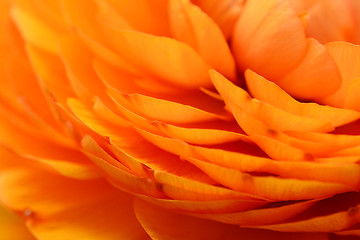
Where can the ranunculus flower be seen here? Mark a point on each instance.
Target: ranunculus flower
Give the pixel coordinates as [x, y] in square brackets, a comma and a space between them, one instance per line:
[179, 119]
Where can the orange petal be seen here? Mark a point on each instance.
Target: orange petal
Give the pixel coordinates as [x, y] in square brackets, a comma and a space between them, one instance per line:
[185, 189]
[239, 101]
[107, 14]
[268, 187]
[84, 113]
[354, 233]
[262, 216]
[163, 224]
[36, 31]
[158, 160]
[126, 181]
[325, 172]
[224, 13]
[206, 207]
[107, 114]
[154, 108]
[274, 142]
[335, 171]
[13, 227]
[346, 55]
[329, 223]
[353, 99]
[82, 76]
[244, 162]
[334, 141]
[269, 92]
[187, 25]
[86, 22]
[33, 146]
[60, 212]
[338, 15]
[53, 76]
[134, 13]
[185, 68]
[280, 151]
[316, 75]
[269, 38]
[201, 136]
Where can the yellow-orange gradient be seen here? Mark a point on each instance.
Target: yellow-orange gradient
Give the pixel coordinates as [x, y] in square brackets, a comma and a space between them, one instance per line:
[179, 119]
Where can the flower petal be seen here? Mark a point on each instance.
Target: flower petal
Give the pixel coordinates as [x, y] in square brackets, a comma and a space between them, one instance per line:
[330, 223]
[162, 224]
[134, 13]
[224, 13]
[316, 75]
[188, 24]
[239, 101]
[185, 189]
[269, 187]
[185, 68]
[36, 31]
[55, 208]
[269, 38]
[346, 56]
[269, 92]
[13, 227]
[201, 136]
[262, 216]
[154, 108]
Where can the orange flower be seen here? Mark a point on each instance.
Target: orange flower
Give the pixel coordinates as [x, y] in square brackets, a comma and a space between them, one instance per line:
[138, 119]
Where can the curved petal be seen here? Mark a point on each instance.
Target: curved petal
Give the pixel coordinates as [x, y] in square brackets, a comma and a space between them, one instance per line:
[188, 22]
[346, 56]
[269, 38]
[36, 31]
[269, 92]
[185, 68]
[316, 70]
[162, 224]
[239, 101]
[12, 226]
[55, 208]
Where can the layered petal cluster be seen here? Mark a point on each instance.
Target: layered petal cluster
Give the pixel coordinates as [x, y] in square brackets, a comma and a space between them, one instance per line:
[179, 119]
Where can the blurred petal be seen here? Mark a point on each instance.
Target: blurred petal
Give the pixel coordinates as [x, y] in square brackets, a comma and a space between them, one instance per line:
[12, 227]
[163, 224]
[56, 207]
[35, 31]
